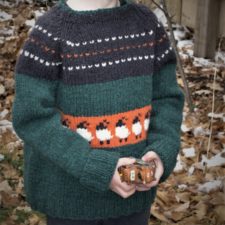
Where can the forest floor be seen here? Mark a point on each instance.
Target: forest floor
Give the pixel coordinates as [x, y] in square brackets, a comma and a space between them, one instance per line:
[194, 194]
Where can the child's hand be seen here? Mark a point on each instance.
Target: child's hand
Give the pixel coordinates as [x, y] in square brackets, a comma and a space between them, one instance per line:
[122, 188]
[150, 155]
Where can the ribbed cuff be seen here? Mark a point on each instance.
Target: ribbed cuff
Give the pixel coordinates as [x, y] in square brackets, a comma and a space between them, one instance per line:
[99, 170]
[168, 155]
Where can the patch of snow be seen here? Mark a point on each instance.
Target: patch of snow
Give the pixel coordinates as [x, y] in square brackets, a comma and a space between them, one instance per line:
[220, 57]
[30, 1]
[201, 92]
[185, 43]
[221, 134]
[4, 16]
[216, 115]
[217, 160]
[161, 16]
[185, 114]
[190, 52]
[2, 40]
[9, 4]
[184, 128]
[184, 55]
[4, 113]
[2, 89]
[189, 152]
[6, 31]
[179, 165]
[179, 34]
[1, 157]
[199, 131]
[191, 170]
[10, 38]
[30, 23]
[4, 125]
[209, 186]
[5, 3]
[24, 208]
[182, 186]
[198, 61]
[38, 13]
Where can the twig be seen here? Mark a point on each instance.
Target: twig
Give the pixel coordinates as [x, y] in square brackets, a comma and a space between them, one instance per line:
[213, 108]
[212, 117]
[213, 104]
[159, 6]
[173, 41]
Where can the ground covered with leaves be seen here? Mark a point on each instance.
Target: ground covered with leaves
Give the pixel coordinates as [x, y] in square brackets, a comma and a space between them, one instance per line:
[193, 194]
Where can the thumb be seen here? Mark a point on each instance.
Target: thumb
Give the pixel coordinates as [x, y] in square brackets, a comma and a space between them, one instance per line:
[148, 156]
[126, 161]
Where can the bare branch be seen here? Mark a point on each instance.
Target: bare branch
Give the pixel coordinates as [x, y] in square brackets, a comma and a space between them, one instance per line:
[179, 62]
[158, 6]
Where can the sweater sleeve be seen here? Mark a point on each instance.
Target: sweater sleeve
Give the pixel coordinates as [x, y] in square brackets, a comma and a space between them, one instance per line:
[167, 105]
[37, 121]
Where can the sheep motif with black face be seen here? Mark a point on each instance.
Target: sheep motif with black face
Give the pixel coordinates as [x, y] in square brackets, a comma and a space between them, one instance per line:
[122, 132]
[65, 122]
[103, 134]
[147, 121]
[82, 129]
[137, 126]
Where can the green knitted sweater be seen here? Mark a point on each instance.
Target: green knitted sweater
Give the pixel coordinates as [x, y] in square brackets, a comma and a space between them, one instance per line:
[92, 87]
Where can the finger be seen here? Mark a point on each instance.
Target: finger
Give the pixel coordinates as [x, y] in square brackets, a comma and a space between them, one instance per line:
[153, 183]
[139, 188]
[126, 161]
[159, 170]
[149, 156]
[145, 185]
[159, 166]
[125, 194]
[127, 187]
[148, 185]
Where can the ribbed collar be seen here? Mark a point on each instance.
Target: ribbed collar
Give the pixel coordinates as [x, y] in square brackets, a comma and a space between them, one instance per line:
[98, 15]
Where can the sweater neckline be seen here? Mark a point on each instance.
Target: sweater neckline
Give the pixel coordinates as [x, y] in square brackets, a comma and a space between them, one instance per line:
[99, 15]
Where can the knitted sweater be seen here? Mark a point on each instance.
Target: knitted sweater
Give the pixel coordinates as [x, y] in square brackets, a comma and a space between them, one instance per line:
[92, 87]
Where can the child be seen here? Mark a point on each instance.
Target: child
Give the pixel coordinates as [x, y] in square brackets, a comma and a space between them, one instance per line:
[96, 86]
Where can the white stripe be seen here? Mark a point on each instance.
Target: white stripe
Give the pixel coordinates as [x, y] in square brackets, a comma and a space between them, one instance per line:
[106, 39]
[123, 60]
[163, 54]
[110, 63]
[36, 58]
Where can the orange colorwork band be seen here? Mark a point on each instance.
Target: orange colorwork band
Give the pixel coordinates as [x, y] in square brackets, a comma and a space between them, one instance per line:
[114, 130]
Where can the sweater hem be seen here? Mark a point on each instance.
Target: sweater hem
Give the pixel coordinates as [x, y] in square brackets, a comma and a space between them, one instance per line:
[58, 211]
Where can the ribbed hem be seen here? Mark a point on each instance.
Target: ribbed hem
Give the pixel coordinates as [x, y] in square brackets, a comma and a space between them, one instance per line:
[108, 206]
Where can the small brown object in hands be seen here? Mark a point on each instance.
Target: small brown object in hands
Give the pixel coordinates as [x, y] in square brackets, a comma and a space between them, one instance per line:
[140, 172]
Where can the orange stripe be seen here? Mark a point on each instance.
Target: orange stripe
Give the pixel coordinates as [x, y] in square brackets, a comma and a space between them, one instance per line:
[119, 129]
[122, 48]
[87, 54]
[42, 45]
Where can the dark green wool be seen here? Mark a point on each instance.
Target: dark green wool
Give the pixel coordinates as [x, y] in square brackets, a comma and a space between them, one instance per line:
[92, 65]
